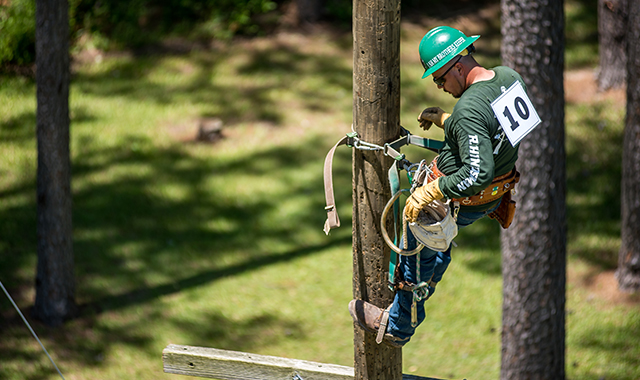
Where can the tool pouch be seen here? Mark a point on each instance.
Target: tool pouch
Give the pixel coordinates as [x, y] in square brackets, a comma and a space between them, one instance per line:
[505, 211]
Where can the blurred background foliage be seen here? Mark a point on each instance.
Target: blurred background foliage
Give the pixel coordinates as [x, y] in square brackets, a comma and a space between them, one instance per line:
[110, 24]
[115, 24]
[17, 28]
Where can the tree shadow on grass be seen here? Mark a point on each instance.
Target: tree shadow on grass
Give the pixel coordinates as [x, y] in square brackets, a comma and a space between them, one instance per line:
[610, 337]
[147, 293]
[277, 68]
[89, 341]
[19, 128]
[128, 214]
[172, 236]
[135, 242]
[594, 172]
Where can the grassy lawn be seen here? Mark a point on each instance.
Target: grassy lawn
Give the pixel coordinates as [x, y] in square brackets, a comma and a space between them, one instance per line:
[221, 245]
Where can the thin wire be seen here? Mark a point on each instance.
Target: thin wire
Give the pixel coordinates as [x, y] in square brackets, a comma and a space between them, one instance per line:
[30, 329]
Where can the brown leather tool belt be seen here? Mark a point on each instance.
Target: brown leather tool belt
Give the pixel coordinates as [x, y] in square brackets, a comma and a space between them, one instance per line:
[498, 187]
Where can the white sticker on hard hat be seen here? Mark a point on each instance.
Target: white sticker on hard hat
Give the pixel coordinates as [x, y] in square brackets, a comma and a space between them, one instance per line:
[447, 51]
[516, 113]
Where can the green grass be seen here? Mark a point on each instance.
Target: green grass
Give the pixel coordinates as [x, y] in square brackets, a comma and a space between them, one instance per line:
[222, 245]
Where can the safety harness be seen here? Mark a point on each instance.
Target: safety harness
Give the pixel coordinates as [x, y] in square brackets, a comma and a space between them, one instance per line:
[443, 217]
[438, 228]
[352, 140]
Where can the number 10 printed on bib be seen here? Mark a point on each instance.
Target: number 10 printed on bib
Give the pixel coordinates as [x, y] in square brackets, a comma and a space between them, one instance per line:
[516, 113]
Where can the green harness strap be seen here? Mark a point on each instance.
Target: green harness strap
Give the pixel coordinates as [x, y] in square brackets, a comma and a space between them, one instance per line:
[394, 182]
[392, 148]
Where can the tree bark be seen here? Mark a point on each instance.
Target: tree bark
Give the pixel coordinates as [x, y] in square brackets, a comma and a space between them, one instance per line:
[534, 247]
[376, 118]
[55, 281]
[628, 272]
[612, 30]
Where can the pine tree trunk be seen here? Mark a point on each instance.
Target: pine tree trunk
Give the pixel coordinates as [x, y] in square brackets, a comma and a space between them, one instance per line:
[376, 117]
[534, 247]
[612, 30]
[55, 280]
[628, 272]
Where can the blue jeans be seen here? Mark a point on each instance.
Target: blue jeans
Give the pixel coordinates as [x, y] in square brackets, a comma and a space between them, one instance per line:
[432, 263]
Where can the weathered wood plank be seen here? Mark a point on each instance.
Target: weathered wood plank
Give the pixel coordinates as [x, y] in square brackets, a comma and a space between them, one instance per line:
[213, 363]
[231, 365]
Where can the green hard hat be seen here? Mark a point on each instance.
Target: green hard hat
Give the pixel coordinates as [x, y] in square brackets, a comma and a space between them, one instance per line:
[440, 45]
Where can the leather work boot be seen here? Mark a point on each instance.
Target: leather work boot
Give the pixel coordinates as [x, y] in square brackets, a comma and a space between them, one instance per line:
[370, 318]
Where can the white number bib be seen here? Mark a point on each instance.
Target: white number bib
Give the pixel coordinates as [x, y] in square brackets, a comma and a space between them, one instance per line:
[515, 113]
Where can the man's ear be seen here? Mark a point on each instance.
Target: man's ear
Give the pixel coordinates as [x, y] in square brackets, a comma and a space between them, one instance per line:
[460, 67]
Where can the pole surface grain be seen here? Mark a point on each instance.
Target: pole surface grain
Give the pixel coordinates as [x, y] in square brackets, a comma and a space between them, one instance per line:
[376, 119]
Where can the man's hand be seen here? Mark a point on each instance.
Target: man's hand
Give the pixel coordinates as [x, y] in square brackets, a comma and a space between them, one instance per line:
[421, 197]
[433, 115]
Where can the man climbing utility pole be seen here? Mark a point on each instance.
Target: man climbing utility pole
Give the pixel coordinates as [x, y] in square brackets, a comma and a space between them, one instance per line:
[376, 119]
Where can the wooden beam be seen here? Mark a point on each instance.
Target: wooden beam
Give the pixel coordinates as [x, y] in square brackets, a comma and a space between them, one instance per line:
[213, 363]
[232, 365]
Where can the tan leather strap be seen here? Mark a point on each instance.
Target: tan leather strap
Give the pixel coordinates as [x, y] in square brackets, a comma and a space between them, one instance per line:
[384, 321]
[333, 220]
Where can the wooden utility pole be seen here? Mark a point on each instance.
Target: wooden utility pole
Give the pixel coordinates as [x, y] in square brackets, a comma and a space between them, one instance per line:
[376, 119]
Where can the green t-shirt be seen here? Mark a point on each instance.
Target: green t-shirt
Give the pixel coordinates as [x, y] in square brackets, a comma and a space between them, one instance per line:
[476, 149]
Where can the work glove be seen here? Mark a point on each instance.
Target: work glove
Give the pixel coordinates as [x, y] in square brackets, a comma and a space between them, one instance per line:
[421, 197]
[432, 115]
